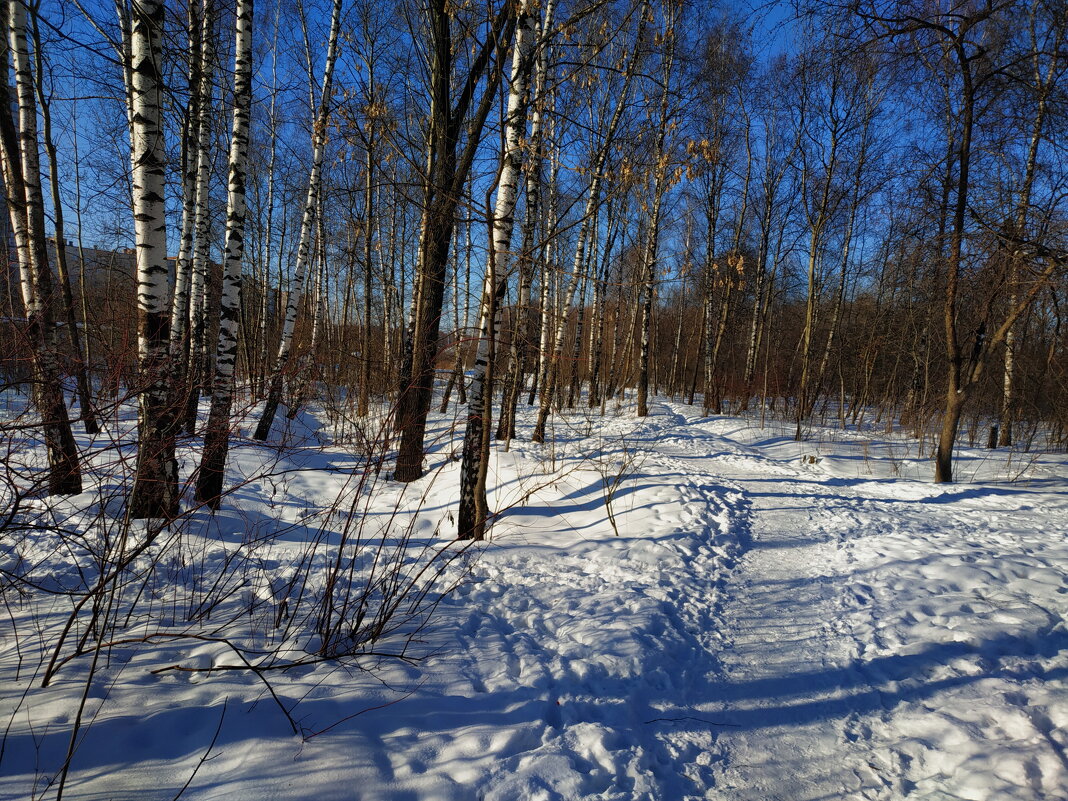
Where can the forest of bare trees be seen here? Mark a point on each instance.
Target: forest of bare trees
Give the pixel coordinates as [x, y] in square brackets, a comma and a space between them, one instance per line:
[833, 212]
[684, 304]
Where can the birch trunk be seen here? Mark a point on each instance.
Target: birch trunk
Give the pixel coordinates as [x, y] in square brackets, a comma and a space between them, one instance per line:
[471, 519]
[459, 332]
[817, 222]
[652, 242]
[27, 223]
[155, 489]
[575, 374]
[601, 312]
[285, 345]
[368, 243]
[217, 436]
[389, 289]
[712, 200]
[1044, 86]
[533, 174]
[193, 332]
[550, 276]
[191, 150]
[753, 349]
[263, 355]
[734, 266]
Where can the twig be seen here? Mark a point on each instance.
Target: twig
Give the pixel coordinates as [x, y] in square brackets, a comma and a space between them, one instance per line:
[699, 720]
[204, 758]
[362, 711]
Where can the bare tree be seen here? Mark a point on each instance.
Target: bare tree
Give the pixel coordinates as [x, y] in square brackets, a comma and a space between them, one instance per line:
[471, 520]
[285, 345]
[1042, 82]
[661, 179]
[446, 175]
[155, 489]
[81, 374]
[550, 359]
[22, 182]
[217, 437]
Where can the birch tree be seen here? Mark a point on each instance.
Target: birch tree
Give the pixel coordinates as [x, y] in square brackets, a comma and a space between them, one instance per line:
[533, 169]
[217, 437]
[81, 367]
[155, 489]
[661, 183]
[194, 164]
[471, 520]
[194, 330]
[18, 148]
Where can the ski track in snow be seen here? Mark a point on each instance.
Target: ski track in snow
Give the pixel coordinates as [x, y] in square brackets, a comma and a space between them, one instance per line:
[762, 628]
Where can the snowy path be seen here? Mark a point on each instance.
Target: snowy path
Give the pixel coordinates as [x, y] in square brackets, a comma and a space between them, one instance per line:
[588, 650]
[788, 722]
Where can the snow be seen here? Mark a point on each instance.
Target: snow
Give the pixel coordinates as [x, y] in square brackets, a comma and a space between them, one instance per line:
[773, 620]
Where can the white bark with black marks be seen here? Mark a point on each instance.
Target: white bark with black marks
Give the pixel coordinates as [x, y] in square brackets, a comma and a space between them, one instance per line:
[19, 156]
[471, 520]
[216, 440]
[197, 302]
[155, 490]
[191, 158]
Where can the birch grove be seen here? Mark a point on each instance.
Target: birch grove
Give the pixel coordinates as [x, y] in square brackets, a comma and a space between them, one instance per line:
[517, 218]
[550, 359]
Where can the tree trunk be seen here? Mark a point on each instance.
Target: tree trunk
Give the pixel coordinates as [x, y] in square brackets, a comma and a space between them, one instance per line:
[652, 242]
[155, 490]
[19, 151]
[217, 437]
[1023, 205]
[193, 343]
[446, 178]
[81, 375]
[368, 253]
[192, 141]
[575, 382]
[955, 392]
[471, 519]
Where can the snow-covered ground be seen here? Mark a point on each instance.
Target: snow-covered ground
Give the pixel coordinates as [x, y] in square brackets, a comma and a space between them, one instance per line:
[764, 620]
